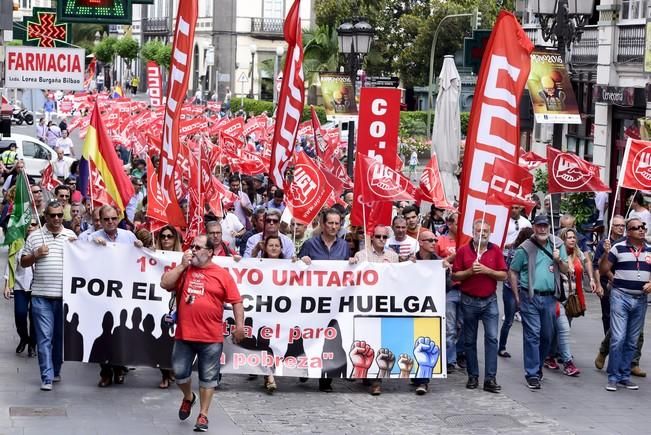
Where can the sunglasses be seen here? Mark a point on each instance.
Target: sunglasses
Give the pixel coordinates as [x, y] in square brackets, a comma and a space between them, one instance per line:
[197, 247]
[428, 240]
[55, 215]
[272, 221]
[37, 191]
[34, 224]
[380, 237]
[639, 227]
[64, 196]
[167, 236]
[109, 219]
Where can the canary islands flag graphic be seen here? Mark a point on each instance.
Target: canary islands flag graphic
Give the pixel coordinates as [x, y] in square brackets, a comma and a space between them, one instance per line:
[98, 148]
[418, 338]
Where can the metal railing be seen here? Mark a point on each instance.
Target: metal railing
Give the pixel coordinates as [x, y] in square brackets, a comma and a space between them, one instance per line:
[585, 52]
[630, 43]
[155, 25]
[267, 25]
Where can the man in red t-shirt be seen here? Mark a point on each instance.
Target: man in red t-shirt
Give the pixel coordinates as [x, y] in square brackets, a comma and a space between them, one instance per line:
[478, 266]
[203, 287]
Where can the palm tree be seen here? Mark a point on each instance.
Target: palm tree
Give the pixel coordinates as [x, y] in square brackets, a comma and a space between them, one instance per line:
[321, 50]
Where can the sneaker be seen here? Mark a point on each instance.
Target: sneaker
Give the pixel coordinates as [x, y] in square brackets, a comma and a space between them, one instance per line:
[491, 386]
[461, 361]
[451, 367]
[185, 411]
[31, 351]
[472, 383]
[600, 361]
[637, 371]
[517, 317]
[57, 378]
[611, 386]
[46, 386]
[202, 424]
[421, 390]
[570, 369]
[551, 364]
[533, 383]
[628, 385]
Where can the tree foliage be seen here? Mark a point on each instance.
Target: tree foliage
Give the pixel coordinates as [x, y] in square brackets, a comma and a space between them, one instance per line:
[127, 48]
[321, 51]
[158, 52]
[105, 50]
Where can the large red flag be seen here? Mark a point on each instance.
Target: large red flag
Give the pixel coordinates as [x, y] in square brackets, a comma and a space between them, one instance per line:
[636, 165]
[510, 185]
[186, 20]
[308, 191]
[431, 186]
[380, 183]
[154, 84]
[291, 99]
[567, 172]
[493, 129]
[531, 160]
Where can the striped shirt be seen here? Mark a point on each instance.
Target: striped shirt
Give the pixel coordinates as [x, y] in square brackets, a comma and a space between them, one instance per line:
[631, 267]
[48, 270]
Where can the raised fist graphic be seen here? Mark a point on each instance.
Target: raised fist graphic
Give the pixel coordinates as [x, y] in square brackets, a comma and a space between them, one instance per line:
[405, 363]
[385, 361]
[361, 355]
[427, 354]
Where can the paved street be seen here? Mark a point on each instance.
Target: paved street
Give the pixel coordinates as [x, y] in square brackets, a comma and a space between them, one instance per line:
[564, 405]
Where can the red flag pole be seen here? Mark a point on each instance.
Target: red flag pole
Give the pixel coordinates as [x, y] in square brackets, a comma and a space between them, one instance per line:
[551, 213]
[619, 180]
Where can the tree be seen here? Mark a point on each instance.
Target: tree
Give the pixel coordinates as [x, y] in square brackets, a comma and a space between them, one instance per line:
[127, 48]
[321, 52]
[105, 50]
[157, 52]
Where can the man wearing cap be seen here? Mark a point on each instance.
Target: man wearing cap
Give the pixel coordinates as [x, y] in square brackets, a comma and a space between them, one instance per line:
[535, 273]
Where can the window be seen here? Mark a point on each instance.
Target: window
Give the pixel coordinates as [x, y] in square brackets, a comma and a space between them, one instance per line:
[527, 13]
[206, 8]
[634, 9]
[273, 9]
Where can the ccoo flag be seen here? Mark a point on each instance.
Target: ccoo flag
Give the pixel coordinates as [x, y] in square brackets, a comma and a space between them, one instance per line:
[98, 148]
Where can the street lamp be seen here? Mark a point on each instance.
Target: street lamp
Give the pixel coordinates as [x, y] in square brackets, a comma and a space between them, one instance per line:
[355, 39]
[253, 49]
[280, 50]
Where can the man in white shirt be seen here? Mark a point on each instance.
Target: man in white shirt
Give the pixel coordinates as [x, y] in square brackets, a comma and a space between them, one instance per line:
[231, 225]
[601, 201]
[61, 167]
[516, 223]
[243, 207]
[65, 143]
[640, 211]
[401, 243]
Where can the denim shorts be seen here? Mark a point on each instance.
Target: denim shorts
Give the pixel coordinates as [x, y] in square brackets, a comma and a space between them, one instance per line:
[208, 362]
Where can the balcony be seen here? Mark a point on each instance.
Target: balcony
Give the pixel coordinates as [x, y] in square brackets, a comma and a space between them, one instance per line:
[267, 28]
[155, 26]
[630, 44]
[585, 51]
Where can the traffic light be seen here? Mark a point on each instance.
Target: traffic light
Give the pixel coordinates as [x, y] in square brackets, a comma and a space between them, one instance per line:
[476, 19]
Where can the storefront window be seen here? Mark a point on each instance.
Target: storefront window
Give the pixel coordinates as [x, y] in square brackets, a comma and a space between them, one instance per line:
[634, 9]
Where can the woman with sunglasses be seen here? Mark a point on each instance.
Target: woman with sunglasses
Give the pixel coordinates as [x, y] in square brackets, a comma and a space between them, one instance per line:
[168, 239]
[22, 295]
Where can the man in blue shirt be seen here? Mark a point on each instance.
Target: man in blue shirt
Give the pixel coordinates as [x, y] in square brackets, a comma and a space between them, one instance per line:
[326, 246]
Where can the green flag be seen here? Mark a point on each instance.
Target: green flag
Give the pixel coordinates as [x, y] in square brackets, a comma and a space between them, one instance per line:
[21, 215]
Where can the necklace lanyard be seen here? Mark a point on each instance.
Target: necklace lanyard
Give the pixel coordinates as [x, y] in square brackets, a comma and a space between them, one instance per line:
[637, 253]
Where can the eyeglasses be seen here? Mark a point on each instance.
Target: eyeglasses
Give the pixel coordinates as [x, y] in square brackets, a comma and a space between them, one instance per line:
[34, 224]
[63, 196]
[272, 221]
[619, 225]
[428, 240]
[197, 247]
[55, 215]
[37, 191]
[639, 227]
[109, 219]
[167, 236]
[380, 237]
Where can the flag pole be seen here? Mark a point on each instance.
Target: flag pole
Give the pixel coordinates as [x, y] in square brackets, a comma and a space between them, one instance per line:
[630, 205]
[619, 180]
[483, 216]
[31, 202]
[551, 212]
[368, 257]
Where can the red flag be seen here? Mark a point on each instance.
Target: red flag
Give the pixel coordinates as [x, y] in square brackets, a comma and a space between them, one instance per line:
[510, 185]
[308, 191]
[323, 149]
[567, 172]
[531, 160]
[291, 99]
[186, 20]
[431, 186]
[154, 84]
[493, 129]
[48, 182]
[155, 199]
[379, 183]
[636, 165]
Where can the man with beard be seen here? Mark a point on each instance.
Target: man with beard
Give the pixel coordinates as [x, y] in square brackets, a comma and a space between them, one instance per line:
[535, 273]
[204, 288]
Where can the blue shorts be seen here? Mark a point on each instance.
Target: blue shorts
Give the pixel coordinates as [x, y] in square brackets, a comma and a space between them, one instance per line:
[208, 362]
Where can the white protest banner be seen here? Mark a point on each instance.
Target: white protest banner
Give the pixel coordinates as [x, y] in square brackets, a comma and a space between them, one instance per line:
[44, 68]
[328, 319]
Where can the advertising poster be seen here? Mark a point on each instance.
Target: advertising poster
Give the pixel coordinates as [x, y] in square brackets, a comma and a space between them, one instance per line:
[337, 94]
[551, 90]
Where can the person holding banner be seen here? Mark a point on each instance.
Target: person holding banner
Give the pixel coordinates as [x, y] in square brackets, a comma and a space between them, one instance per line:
[203, 289]
[44, 251]
[478, 266]
[630, 262]
[535, 271]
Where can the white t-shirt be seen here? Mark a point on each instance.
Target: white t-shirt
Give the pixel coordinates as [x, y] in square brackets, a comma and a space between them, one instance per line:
[403, 248]
[413, 159]
[601, 201]
[230, 224]
[65, 144]
[515, 227]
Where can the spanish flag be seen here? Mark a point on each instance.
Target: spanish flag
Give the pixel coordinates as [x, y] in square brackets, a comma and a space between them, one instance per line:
[98, 149]
[118, 92]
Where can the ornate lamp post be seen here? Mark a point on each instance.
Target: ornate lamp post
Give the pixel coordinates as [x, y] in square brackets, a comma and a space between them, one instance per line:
[254, 49]
[280, 50]
[355, 39]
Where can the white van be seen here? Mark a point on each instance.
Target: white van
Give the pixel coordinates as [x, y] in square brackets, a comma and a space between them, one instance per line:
[35, 153]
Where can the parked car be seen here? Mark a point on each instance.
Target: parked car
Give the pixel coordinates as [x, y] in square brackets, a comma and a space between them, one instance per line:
[35, 153]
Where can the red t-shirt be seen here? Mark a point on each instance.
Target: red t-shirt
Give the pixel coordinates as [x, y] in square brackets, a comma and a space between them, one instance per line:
[201, 320]
[445, 246]
[480, 285]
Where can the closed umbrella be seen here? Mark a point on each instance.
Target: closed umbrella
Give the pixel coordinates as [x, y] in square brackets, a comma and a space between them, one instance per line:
[446, 134]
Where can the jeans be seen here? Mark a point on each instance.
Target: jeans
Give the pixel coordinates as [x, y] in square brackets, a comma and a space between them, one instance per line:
[208, 362]
[510, 309]
[48, 324]
[562, 337]
[486, 310]
[627, 314]
[538, 318]
[453, 317]
[22, 312]
[604, 348]
[605, 309]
